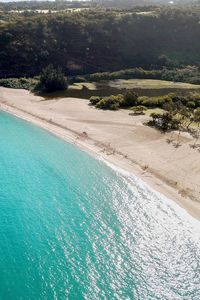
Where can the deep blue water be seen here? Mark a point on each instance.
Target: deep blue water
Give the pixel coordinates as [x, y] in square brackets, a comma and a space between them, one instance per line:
[73, 228]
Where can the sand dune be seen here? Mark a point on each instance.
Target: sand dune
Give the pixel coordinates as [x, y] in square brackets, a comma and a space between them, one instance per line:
[121, 139]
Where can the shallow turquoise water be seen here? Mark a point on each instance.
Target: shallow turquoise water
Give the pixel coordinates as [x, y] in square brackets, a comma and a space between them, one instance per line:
[73, 228]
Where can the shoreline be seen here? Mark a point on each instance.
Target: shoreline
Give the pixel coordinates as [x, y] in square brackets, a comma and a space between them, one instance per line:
[104, 151]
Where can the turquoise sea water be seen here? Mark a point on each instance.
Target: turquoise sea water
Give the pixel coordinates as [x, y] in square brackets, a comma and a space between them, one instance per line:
[73, 228]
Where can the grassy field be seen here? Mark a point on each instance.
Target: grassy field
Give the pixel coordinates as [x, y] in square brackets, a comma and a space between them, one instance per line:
[150, 84]
[81, 85]
[133, 84]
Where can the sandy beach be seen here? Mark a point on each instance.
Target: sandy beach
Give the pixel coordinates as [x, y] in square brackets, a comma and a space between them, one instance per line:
[121, 139]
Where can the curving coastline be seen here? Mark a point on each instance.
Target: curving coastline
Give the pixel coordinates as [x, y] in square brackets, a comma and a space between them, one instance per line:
[119, 139]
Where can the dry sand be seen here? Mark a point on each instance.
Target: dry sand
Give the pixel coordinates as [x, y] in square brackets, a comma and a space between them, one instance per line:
[119, 138]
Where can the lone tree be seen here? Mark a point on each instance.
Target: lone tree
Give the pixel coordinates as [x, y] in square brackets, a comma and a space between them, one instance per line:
[164, 122]
[52, 79]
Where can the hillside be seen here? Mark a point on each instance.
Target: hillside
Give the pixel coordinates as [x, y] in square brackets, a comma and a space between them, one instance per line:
[91, 41]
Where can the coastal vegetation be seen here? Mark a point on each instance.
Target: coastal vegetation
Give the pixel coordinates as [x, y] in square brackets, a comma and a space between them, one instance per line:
[50, 80]
[177, 112]
[131, 99]
[19, 83]
[178, 117]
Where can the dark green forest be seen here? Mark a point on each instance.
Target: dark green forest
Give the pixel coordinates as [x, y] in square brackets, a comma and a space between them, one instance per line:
[100, 40]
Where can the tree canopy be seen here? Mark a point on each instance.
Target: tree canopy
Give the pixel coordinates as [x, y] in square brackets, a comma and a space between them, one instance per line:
[99, 40]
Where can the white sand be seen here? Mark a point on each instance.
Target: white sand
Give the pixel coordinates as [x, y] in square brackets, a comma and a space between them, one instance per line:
[119, 138]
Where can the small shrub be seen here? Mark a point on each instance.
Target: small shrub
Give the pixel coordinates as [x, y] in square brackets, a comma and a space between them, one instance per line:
[138, 110]
[129, 99]
[112, 102]
[94, 100]
[191, 104]
[153, 102]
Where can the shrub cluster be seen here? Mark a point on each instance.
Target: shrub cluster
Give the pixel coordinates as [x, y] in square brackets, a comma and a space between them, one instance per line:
[19, 83]
[115, 102]
[112, 102]
[131, 99]
[191, 100]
